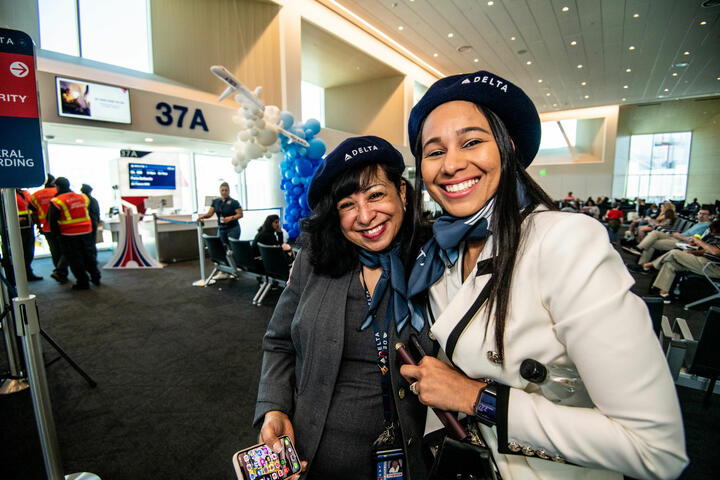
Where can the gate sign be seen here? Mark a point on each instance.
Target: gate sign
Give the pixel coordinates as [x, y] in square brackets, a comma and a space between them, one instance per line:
[21, 159]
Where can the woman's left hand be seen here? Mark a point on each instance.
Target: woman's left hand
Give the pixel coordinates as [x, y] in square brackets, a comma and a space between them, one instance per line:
[440, 386]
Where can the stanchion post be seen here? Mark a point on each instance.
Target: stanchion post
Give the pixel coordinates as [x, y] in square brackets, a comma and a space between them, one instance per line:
[28, 327]
[201, 255]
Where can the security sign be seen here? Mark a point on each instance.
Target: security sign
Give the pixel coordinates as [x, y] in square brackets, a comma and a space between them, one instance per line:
[21, 161]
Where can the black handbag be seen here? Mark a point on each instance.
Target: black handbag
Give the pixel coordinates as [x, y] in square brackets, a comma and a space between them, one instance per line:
[467, 459]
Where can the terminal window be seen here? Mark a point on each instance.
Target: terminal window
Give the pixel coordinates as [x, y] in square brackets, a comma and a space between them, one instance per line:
[658, 166]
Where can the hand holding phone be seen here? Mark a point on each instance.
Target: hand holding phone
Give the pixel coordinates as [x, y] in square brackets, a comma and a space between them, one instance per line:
[261, 462]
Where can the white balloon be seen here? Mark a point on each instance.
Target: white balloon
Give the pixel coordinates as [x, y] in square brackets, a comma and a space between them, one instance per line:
[255, 109]
[267, 137]
[253, 150]
[272, 114]
[260, 123]
[244, 135]
[239, 158]
[275, 147]
[239, 168]
[254, 132]
[268, 154]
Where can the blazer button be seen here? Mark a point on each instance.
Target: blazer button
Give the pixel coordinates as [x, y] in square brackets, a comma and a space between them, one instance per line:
[494, 357]
[558, 458]
[528, 451]
[542, 454]
[410, 441]
[431, 336]
[401, 393]
[514, 447]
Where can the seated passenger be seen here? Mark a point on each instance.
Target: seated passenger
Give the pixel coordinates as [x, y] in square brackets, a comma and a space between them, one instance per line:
[270, 233]
[658, 240]
[666, 218]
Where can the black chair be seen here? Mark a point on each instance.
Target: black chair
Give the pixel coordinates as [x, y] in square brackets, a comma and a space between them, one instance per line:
[245, 259]
[655, 307]
[276, 266]
[219, 256]
[706, 361]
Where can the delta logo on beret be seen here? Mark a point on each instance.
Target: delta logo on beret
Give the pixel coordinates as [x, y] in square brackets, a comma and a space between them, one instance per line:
[507, 100]
[351, 152]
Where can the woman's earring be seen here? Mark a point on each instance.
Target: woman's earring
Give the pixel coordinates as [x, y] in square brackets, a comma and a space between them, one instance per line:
[404, 206]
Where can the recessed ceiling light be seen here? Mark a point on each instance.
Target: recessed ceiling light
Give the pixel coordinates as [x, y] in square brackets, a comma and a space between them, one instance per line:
[435, 54]
[573, 43]
[718, 78]
[624, 99]
[512, 38]
[625, 86]
[491, 3]
[682, 64]
[583, 83]
[579, 65]
[587, 96]
[666, 90]
[565, 9]
[451, 35]
[476, 60]
[401, 28]
[79, 140]
[554, 104]
[149, 139]
[703, 22]
[628, 70]
[547, 94]
[674, 74]
[539, 80]
[631, 47]
[528, 62]
[686, 52]
[636, 15]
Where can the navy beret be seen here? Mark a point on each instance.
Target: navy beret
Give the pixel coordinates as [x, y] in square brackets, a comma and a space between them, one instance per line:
[507, 100]
[350, 153]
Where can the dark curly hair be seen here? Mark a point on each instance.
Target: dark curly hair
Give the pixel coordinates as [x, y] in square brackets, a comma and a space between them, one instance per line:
[330, 252]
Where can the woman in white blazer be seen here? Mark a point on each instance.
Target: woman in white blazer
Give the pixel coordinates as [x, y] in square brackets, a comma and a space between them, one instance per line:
[549, 287]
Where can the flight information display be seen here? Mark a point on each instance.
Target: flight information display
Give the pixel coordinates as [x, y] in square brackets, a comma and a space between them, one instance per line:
[149, 176]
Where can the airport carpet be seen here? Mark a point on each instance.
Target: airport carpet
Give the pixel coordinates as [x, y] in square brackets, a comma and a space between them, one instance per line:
[177, 368]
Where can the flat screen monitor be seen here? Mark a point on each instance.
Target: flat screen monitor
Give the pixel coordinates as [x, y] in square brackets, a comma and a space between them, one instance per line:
[92, 101]
[149, 176]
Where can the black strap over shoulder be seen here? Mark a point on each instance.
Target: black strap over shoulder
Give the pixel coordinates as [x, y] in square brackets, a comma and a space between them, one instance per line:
[484, 267]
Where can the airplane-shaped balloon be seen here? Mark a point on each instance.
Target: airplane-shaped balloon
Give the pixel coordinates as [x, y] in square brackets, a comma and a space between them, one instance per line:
[234, 85]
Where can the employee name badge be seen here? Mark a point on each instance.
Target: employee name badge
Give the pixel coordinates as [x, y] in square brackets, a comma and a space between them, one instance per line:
[390, 464]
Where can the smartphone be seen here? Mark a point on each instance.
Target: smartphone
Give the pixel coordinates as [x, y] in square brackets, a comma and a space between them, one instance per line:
[260, 462]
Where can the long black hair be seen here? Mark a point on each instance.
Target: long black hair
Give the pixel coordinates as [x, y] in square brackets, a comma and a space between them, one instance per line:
[507, 218]
[329, 251]
[267, 225]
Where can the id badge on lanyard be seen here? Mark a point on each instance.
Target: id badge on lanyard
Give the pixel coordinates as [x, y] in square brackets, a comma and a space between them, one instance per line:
[390, 459]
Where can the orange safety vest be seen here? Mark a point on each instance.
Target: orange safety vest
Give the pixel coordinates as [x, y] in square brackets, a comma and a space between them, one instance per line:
[23, 206]
[74, 216]
[41, 200]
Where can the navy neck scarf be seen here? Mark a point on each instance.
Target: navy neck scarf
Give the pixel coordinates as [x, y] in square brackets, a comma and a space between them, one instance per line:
[393, 275]
[442, 249]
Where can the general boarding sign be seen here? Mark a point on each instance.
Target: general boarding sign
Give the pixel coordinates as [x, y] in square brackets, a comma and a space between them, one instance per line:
[21, 161]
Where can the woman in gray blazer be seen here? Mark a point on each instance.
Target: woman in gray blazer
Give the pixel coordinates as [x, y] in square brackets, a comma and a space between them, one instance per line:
[328, 380]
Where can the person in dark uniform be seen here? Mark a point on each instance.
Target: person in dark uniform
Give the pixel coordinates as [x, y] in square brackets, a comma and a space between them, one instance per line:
[41, 200]
[94, 211]
[228, 211]
[70, 220]
[26, 216]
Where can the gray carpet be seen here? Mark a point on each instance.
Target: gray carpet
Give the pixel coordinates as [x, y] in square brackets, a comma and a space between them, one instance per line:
[177, 368]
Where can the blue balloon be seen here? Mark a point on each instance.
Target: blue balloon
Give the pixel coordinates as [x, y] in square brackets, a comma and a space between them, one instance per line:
[287, 119]
[316, 148]
[288, 174]
[297, 190]
[303, 167]
[303, 202]
[308, 134]
[296, 180]
[284, 165]
[299, 132]
[313, 125]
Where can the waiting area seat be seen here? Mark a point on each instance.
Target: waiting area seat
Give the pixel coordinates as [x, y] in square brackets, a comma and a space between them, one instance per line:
[276, 266]
[246, 262]
[219, 256]
[714, 282]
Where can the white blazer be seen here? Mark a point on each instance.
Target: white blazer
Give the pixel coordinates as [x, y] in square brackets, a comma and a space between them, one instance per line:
[570, 305]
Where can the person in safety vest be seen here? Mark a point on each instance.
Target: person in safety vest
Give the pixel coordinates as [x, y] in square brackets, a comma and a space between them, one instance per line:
[41, 202]
[26, 212]
[70, 220]
[94, 210]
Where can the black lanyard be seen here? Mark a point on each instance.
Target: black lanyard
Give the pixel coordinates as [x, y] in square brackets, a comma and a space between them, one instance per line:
[383, 360]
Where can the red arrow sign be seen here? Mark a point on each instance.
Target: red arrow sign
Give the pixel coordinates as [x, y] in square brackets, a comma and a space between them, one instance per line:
[19, 69]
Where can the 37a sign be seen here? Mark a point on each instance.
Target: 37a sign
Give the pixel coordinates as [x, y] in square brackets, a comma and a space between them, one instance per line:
[176, 114]
[21, 161]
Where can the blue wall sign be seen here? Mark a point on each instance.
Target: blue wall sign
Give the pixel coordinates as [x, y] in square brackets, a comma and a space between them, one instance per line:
[21, 157]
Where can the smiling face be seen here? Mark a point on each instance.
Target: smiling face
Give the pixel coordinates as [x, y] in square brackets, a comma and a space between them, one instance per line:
[460, 159]
[371, 217]
[224, 191]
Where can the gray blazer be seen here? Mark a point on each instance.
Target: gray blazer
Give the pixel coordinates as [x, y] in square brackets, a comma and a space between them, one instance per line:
[302, 354]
